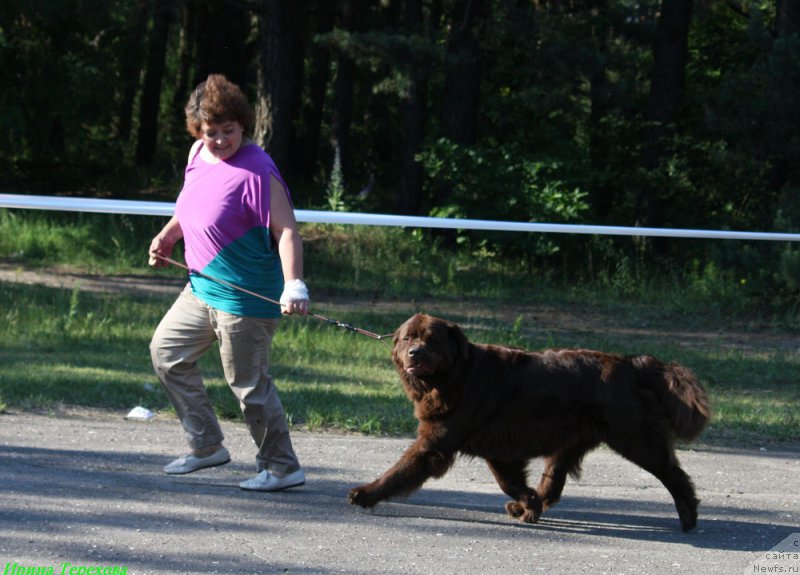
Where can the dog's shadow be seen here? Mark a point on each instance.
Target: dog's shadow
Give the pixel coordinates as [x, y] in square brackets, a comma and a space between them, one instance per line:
[613, 518]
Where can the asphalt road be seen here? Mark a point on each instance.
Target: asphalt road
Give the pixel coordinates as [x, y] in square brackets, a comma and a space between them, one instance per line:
[85, 494]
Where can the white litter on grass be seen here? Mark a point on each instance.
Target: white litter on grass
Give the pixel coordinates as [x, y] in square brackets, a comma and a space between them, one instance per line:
[140, 413]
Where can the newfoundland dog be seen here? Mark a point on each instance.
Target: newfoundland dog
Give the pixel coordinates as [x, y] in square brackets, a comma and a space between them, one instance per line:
[509, 406]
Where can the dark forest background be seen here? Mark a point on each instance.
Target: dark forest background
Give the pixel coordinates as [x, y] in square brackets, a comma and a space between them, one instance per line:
[669, 113]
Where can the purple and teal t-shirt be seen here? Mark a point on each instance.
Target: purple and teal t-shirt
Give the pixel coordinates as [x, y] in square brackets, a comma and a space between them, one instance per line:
[223, 210]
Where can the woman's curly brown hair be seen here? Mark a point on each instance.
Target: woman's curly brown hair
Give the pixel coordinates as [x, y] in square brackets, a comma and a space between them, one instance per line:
[216, 101]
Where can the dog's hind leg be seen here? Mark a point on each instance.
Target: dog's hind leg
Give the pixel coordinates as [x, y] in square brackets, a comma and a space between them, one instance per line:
[556, 469]
[680, 486]
[512, 478]
[655, 454]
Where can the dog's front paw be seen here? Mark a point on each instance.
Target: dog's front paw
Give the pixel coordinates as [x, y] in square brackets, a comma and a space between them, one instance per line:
[362, 497]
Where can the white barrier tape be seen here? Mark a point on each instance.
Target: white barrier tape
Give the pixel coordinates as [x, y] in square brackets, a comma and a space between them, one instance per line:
[94, 205]
[314, 216]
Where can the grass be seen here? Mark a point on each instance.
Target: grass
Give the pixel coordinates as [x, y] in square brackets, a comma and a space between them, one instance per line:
[75, 348]
[72, 347]
[67, 347]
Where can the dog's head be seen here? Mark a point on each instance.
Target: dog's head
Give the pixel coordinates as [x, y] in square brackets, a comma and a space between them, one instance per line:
[427, 348]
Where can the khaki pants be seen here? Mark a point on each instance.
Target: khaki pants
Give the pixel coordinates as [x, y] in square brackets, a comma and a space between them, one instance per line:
[185, 333]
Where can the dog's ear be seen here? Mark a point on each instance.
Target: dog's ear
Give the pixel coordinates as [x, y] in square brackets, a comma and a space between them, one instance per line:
[459, 341]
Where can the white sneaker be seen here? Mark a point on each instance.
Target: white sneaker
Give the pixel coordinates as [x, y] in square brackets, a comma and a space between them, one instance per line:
[190, 463]
[265, 481]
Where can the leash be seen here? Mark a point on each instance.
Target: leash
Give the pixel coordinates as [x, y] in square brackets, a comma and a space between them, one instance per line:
[327, 320]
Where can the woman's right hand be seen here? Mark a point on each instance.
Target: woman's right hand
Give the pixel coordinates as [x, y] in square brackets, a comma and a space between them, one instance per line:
[163, 243]
[159, 247]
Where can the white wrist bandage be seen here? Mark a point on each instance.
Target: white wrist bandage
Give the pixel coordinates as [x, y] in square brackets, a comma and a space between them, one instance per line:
[294, 290]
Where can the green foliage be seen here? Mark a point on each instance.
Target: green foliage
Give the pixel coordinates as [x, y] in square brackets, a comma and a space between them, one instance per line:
[61, 59]
[747, 103]
[494, 182]
[478, 178]
[561, 123]
[336, 191]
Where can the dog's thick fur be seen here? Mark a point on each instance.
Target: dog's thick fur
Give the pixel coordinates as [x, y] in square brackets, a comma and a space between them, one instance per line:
[509, 406]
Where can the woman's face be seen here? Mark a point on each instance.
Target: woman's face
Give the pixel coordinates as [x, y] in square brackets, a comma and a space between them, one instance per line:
[222, 140]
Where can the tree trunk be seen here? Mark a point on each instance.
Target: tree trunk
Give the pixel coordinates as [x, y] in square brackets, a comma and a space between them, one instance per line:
[787, 17]
[408, 200]
[308, 141]
[276, 82]
[602, 191]
[461, 95]
[130, 67]
[151, 91]
[299, 11]
[344, 88]
[787, 24]
[185, 59]
[670, 55]
[222, 29]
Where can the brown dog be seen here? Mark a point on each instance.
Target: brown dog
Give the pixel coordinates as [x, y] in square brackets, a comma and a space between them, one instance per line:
[509, 406]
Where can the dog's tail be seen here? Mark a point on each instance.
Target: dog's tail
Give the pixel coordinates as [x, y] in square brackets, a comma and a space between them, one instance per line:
[680, 393]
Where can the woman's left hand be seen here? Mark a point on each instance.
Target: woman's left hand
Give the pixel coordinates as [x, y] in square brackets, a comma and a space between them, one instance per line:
[299, 307]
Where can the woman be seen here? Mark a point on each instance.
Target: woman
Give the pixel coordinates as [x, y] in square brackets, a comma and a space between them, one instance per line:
[236, 219]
